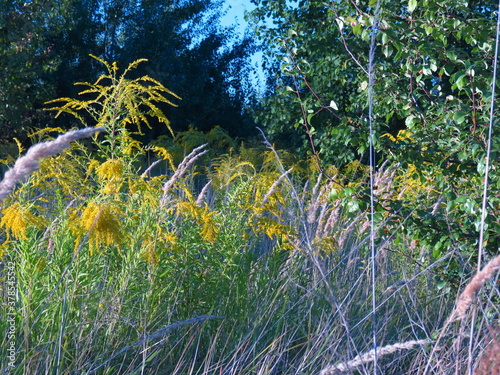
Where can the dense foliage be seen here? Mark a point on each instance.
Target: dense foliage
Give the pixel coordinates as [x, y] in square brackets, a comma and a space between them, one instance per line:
[432, 95]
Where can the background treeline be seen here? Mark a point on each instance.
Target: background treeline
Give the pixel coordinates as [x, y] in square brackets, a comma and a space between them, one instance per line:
[45, 47]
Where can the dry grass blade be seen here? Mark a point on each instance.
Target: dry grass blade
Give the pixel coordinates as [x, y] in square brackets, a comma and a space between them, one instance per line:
[156, 335]
[490, 361]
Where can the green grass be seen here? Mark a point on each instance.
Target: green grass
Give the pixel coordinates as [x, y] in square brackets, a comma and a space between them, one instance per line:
[261, 274]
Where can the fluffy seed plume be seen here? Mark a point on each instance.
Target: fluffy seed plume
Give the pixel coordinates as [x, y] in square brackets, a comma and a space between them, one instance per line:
[181, 170]
[369, 356]
[30, 162]
[274, 187]
[470, 291]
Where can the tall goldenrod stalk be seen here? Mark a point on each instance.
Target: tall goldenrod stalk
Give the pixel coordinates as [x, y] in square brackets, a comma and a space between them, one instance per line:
[30, 162]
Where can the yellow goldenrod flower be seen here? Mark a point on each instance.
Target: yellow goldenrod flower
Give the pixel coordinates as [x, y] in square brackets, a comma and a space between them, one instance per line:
[17, 219]
[209, 231]
[4, 247]
[189, 209]
[128, 144]
[111, 169]
[165, 155]
[111, 174]
[92, 165]
[101, 222]
[149, 253]
[170, 238]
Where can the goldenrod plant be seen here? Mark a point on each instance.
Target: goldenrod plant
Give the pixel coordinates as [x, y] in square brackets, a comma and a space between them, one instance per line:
[119, 102]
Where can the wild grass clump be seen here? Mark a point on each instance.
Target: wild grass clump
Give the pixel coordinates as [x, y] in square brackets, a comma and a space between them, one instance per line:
[253, 263]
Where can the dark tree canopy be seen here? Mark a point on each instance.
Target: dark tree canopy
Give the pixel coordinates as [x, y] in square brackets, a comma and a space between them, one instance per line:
[45, 47]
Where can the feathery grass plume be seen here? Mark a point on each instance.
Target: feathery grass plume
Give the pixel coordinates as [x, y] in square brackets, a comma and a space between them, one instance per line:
[466, 298]
[384, 180]
[182, 169]
[490, 360]
[29, 163]
[369, 356]
[203, 193]
[147, 172]
[319, 199]
[274, 186]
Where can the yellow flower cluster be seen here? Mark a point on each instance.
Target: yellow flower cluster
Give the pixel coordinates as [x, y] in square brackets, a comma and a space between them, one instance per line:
[203, 216]
[16, 219]
[111, 174]
[153, 242]
[101, 221]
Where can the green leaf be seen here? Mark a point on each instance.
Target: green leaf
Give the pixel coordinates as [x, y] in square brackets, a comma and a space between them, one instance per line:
[385, 38]
[333, 195]
[459, 117]
[448, 69]
[352, 206]
[309, 118]
[452, 55]
[387, 50]
[412, 4]
[357, 29]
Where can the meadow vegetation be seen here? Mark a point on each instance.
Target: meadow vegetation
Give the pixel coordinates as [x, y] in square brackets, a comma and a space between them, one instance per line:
[201, 255]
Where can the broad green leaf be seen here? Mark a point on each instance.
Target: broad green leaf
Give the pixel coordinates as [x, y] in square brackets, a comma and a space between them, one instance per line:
[357, 29]
[385, 38]
[459, 117]
[387, 50]
[412, 4]
[352, 206]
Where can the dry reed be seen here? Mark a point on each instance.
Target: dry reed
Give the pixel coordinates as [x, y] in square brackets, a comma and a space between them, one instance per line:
[489, 364]
[203, 193]
[274, 187]
[181, 170]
